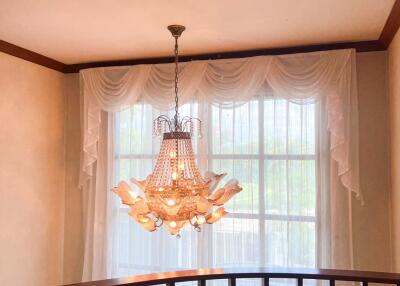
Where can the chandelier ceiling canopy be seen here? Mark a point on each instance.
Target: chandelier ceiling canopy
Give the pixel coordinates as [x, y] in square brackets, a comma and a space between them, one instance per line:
[176, 194]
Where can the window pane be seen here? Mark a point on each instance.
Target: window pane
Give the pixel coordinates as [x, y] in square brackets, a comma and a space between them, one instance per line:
[135, 130]
[141, 252]
[275, 126]
[134, 168]
[301, 129]
[301, 244]
[290, 243]
[301, 188]
[282, 282]
[246, 172]
[249, 282]
[236, 242]
[276, 237]
[235, 131]
[275, 181]
[187, 283]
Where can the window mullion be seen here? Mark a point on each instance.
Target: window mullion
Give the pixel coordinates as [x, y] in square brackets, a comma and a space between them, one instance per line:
[209, 233]
[266, 156]
[117, 151]
[287, 185]
[261, 206]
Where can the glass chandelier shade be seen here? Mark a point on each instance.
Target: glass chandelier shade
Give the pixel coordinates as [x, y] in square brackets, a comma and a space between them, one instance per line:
[175, 193]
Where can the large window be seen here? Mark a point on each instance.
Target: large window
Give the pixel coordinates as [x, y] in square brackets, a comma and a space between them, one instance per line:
[269, 146]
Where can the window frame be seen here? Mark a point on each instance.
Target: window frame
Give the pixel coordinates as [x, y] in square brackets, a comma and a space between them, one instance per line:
[261, 157]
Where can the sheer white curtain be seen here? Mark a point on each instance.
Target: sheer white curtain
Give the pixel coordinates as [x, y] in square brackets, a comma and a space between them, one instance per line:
[276, 123]
[269, 146]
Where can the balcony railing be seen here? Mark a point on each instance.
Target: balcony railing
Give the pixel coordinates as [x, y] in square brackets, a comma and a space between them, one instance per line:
[201, 276]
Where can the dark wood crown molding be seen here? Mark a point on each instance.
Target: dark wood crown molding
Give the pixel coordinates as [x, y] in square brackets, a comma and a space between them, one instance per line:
[389, 31]
[391, 26]
[365, 46]
[33, 57]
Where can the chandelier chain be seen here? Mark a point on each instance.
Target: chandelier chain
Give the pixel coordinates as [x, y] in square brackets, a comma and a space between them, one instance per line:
[176, 82]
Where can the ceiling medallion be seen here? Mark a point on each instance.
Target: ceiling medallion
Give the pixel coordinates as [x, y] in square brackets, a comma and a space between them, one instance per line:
[175, 194]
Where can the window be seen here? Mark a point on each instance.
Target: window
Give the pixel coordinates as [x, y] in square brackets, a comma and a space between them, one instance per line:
[269, 146]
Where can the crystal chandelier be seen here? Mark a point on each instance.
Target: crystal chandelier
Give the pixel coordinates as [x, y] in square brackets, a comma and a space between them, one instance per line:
[175, 193]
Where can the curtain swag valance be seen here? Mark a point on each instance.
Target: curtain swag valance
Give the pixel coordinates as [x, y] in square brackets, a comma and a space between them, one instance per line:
[327, 77]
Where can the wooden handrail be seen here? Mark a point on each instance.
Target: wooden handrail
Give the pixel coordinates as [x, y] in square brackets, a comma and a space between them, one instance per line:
[202, 275]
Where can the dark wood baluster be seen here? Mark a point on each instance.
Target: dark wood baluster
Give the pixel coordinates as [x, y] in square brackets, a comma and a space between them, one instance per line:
[232, 281]
[170, 284]
[364, 283]
[265, 281]
[331, 282]
[201, 282]
[299, 281]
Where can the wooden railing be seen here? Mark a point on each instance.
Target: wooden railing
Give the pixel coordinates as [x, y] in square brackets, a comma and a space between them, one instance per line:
[201, 276]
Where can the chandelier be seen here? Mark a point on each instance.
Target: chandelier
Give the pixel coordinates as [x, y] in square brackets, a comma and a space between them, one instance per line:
[176, 194]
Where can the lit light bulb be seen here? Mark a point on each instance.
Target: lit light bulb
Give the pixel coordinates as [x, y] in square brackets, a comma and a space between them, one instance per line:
[172, 154]
[171, 202]
[201, 220]
[181, 166]
[215, 214]
[172, 224]
[133, 195]
[160, 189]
[174, 176]
[144, 219]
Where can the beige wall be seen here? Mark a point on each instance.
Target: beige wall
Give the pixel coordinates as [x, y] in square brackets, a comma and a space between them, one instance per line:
[31, 173]
[371, 239]
[394, 95]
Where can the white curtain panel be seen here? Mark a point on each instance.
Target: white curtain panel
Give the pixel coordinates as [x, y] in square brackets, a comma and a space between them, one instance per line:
[326, 79]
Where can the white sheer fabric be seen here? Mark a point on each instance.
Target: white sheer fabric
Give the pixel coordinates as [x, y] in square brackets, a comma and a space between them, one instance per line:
[97, 206]
[300, 78]
[269, 146]
[225, 93]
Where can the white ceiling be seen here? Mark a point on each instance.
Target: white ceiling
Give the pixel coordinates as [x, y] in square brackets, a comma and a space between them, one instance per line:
[76, 31]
